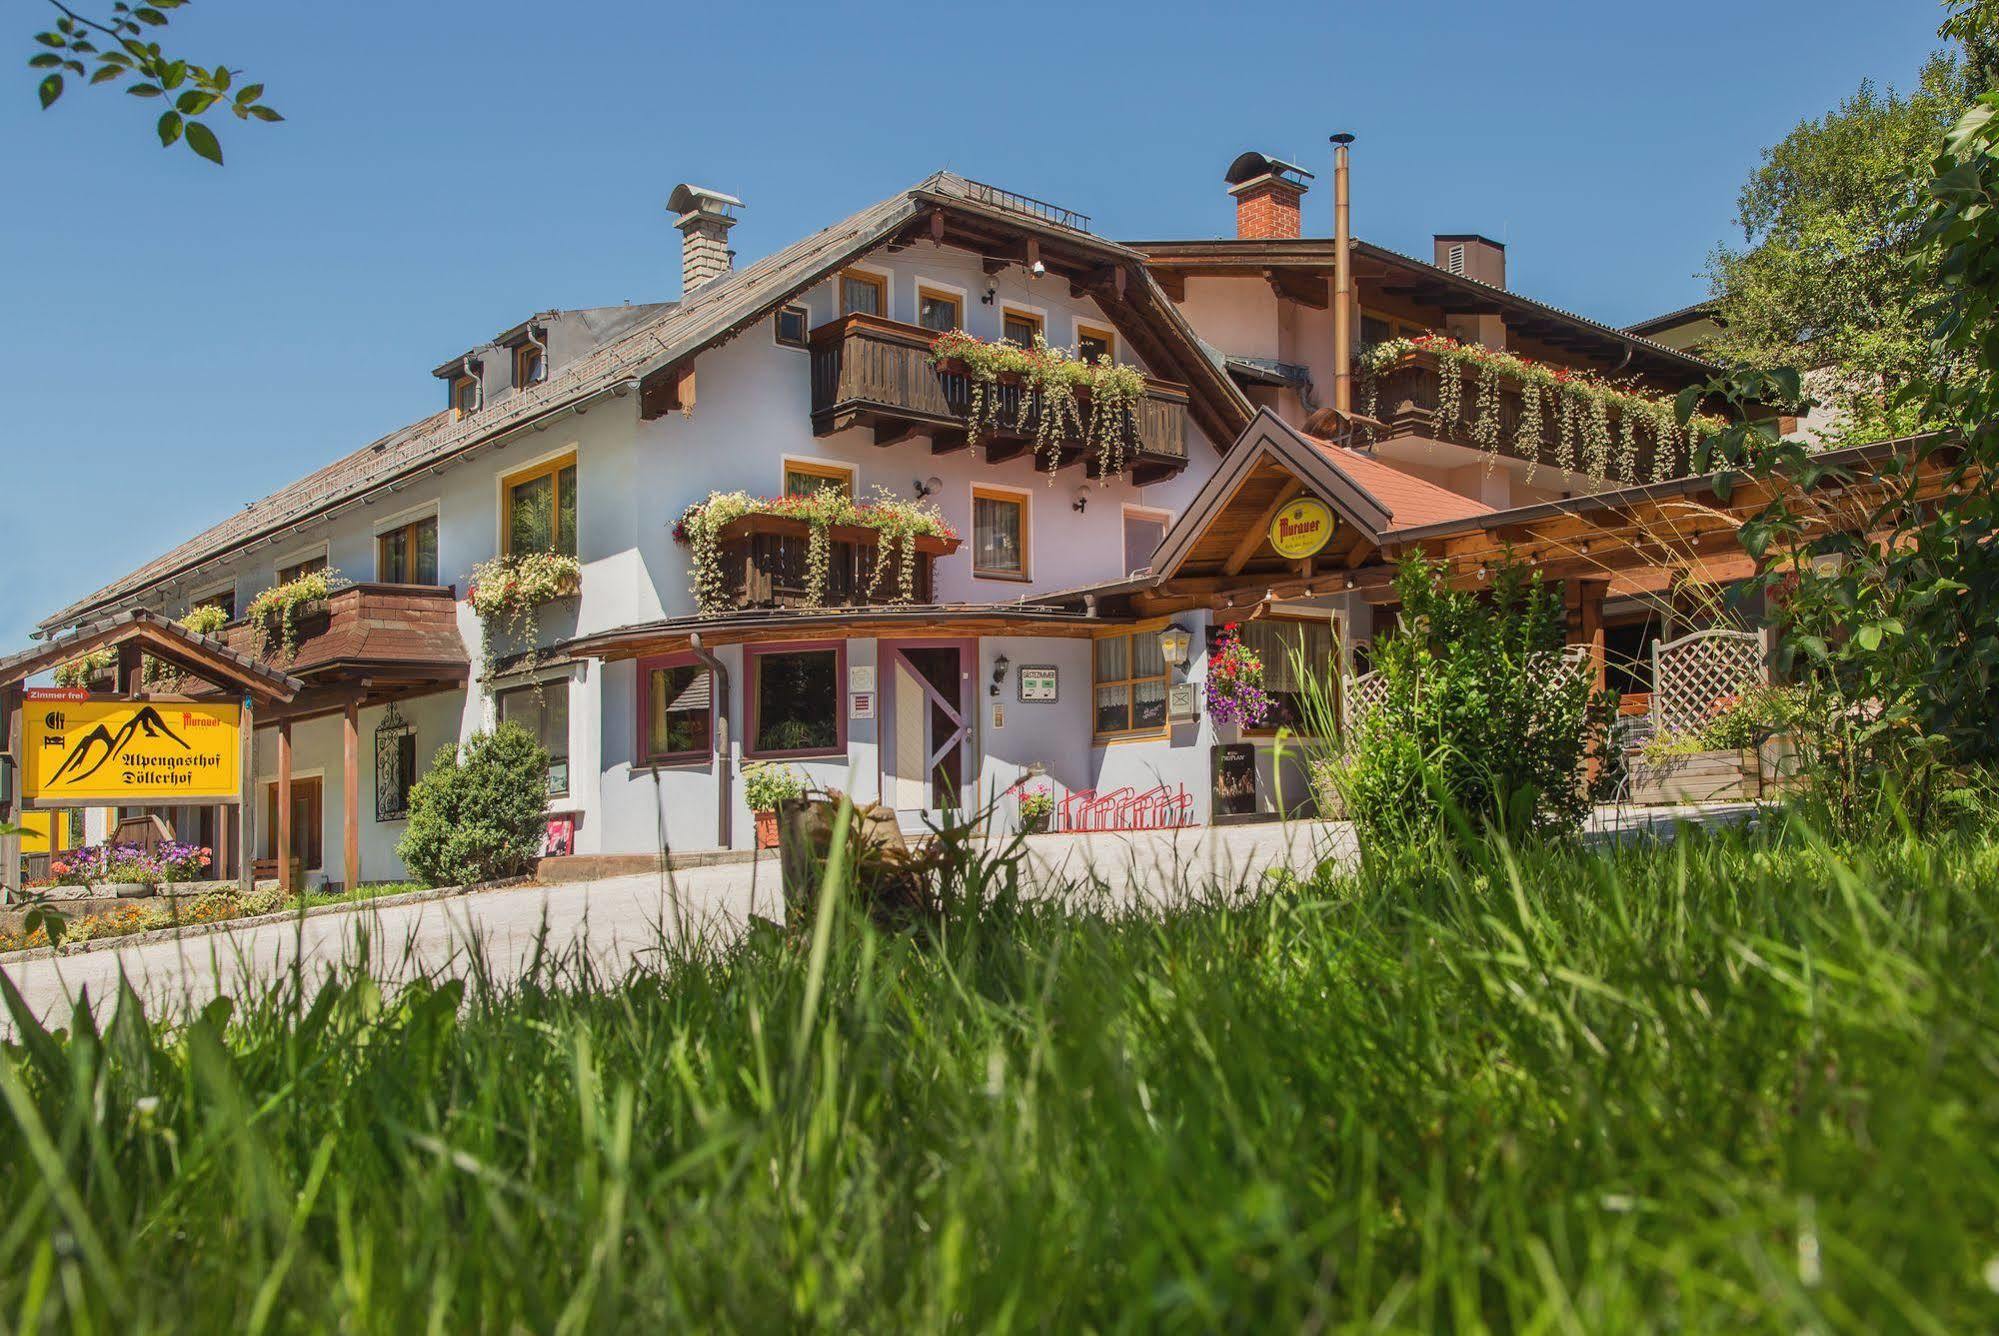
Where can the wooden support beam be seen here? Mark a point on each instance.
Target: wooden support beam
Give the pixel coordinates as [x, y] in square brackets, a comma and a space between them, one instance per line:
[350, 795]
[895, 431]
[1003, 448]
[1259, 532]
[282, 844]
[246, 803]
[946, 442]
[937, 226]
[11, 728]
[1172, 283]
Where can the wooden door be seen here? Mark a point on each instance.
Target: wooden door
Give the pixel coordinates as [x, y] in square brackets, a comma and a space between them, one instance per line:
[306, 843]
[927, 759]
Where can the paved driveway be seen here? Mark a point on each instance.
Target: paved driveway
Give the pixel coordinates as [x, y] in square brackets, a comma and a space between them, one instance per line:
[619, 920]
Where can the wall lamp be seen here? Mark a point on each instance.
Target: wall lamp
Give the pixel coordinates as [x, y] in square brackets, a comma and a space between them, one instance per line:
[1174, 642]
[926, 487]
[1082, 501]
[1000, 665]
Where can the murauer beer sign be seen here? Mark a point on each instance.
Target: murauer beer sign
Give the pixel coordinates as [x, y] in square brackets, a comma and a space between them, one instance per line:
[126, 751]
[1301, 528]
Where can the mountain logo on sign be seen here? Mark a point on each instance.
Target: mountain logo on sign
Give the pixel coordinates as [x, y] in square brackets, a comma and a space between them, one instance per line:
[146, 721]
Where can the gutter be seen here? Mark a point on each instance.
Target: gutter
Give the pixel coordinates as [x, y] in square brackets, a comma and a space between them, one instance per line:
[725, 805]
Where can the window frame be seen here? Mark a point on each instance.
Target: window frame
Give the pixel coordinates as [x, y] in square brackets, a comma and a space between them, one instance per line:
[874, 278]
[646, 758]
[407, 526]
[522, 352]
[926, 290]
[830, 469]
[221, 596]
[752, 666]
[1269, 730]
[458, 411]
[1399, 327]
[291, 566]
[550, 467]
[1038, 318]
[1090, 329]
[1147, 733]
[804, 314]
[1129, 508]
[539, 686]
[1021, 497]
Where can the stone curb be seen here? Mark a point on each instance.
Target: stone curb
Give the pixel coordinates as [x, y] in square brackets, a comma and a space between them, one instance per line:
[186, 930]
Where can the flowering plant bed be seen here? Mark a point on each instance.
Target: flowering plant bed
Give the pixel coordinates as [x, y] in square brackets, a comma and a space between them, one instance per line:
[277, 611]
[93, 864]
[508, 591]
[901, 529]
[1057, 386]
[1600, 427]
[1235, 681]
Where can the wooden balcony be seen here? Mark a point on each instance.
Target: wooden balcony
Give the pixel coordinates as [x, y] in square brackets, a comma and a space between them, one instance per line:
[870, 372]
[765, 564]
[376, 631]
[1405, 402]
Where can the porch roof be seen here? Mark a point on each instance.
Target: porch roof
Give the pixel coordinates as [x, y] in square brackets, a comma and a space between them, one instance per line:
[207, 657]
[960, 619]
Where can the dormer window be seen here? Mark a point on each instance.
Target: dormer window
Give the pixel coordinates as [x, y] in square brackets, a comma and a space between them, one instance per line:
[530, 364]
[464, 396]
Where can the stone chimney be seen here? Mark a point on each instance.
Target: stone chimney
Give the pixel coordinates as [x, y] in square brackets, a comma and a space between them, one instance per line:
[1267, 194]
[704, 218]
[1473, 256]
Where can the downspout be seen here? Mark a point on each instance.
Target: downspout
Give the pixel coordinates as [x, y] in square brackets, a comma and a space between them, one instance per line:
[1342, 281]
[725, 797]
[478, 382]
[541, 348]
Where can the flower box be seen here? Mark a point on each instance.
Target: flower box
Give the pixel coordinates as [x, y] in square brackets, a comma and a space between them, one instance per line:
[865, 535]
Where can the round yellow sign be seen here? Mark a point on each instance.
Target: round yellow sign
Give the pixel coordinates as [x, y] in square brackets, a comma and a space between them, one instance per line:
[1301, 528]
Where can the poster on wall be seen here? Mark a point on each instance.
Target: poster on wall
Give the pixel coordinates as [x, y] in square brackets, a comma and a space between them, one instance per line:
[102, 749]
[1039, 684]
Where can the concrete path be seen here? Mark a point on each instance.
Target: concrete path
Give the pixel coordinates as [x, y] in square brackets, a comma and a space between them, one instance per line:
[619, 921]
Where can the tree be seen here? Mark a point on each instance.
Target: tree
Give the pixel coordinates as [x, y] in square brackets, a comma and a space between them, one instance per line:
[1827, 221]
[1974, 24]
[119, 50]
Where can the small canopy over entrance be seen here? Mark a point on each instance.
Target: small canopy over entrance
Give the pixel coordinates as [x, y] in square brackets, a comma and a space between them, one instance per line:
[133, 635]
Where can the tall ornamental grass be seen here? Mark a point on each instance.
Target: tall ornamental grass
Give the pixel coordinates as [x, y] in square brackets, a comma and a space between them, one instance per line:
[1740, 1083]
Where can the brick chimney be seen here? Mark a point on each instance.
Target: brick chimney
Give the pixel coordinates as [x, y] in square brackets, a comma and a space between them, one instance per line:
[1267, 194]
[704, 218]
[1472, 255]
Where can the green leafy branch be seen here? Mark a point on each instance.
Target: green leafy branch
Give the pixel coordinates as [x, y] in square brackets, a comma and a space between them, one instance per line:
[119, 50]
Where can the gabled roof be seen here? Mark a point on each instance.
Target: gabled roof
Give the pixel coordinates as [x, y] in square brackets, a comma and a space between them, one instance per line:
[1410, 500]
[207, 657]
[671, 336]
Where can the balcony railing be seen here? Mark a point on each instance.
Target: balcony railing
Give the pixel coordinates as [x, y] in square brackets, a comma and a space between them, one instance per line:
[411, 628]
[867, 371]
[1405, 402]
[766, 563]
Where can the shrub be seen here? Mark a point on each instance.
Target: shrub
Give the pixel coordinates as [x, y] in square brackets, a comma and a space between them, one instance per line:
[478, 814]
[766, 784]
[1480, 716]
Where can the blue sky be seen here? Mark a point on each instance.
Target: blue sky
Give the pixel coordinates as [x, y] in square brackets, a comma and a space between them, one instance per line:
[179, 339]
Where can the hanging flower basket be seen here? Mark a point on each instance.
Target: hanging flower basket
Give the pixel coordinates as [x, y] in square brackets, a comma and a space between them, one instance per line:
[900, 529]
[1235, 681]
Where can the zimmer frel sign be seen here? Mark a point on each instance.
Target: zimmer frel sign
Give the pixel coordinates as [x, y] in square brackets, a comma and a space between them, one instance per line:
[123, 751]
[1301, 528]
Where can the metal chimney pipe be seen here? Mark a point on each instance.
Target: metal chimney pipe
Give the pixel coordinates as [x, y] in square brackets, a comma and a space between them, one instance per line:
[1342, 280]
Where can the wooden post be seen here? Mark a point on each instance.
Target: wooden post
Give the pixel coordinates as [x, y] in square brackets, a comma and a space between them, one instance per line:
[10, 815]
[246, 803]
[131, 675]
[1583, 601]
[350, 793]
[283, 844]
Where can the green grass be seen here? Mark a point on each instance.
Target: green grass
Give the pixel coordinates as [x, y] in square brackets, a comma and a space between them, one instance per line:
[1727, 1085]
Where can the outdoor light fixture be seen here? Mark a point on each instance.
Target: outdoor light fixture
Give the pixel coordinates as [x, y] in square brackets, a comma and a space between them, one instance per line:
[1174, 642]
[1082, 501]
[992, 291]
[927, 486]
[1037, 269]
[1000, 665]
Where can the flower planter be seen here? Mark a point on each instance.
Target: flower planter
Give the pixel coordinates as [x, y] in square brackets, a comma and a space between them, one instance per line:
[123, 890]
[1696, 777]
[766, 830]
[1035, 825]
[865, 535]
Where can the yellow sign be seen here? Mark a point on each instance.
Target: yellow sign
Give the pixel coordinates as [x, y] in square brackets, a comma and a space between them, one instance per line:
[126, 751]
[1301, 528]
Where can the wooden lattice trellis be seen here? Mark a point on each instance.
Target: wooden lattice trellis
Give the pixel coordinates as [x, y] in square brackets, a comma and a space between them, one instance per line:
[1365, 693]
[1690, 674]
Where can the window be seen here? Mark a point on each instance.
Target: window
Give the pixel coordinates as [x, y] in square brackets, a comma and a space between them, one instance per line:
[1092, 343]
[863, 294]
[999, 534]
[677, 708]
[1377, 328]
[539, 508]
[940, 311]
[300, 569]
[395, 765]
[1285, 645]
[1130, 684]
[803, 477]
[795, 702]
[530, 364]
[224, 599]
[791, 323]
[543, 710]
[464, 395]
[1020, 327]
[407, 554]
[1144, 531]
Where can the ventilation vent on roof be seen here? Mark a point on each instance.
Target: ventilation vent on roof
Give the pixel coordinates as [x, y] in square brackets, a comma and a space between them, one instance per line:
[1457, 264]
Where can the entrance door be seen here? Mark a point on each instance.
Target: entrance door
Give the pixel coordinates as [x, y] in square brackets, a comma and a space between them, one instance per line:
[305, 822]
[930, 707]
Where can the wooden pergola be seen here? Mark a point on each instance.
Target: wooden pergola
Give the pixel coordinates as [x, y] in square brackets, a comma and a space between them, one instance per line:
[135, 635]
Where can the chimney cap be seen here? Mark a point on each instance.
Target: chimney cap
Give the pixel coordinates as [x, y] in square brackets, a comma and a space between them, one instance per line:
[690, 198]
[1252, 165]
